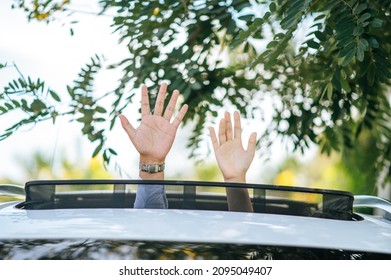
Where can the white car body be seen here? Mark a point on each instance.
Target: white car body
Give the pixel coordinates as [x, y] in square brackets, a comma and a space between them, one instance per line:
[370, 234]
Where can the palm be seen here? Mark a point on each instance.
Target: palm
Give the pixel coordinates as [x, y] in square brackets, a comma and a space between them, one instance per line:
[232, 159]
[154, 137]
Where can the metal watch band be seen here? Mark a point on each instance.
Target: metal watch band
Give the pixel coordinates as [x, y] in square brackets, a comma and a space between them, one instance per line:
[151, 168]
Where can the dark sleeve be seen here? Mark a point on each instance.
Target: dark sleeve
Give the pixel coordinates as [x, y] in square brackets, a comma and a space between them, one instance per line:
[151, 196]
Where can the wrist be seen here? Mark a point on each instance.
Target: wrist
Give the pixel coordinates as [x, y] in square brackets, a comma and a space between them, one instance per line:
[236, 179]
[151, 176]
[151, 160]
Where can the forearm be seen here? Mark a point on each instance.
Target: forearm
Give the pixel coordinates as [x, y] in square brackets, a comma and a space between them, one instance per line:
[238, 198]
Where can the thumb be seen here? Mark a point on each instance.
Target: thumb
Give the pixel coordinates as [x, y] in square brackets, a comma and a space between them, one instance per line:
[129, 129]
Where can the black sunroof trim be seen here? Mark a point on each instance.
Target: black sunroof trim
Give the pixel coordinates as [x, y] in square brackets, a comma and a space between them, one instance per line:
[189, 183]
[335, 204]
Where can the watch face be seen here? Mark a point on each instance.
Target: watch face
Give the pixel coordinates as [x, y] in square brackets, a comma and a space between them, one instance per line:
[152, 168]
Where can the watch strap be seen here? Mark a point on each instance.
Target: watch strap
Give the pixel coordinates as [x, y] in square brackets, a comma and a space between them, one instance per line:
[151, 168]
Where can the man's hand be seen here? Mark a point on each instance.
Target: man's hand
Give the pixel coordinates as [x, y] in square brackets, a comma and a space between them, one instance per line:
[232, 158]
[155, 135]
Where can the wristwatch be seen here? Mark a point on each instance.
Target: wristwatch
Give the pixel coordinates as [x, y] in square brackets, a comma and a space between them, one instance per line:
[151, 168]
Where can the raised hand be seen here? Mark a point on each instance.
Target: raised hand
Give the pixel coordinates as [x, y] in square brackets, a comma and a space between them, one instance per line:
[155, 135]
[232, 158]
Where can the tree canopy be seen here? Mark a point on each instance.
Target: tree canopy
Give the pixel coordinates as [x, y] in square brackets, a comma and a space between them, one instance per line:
[330, 88]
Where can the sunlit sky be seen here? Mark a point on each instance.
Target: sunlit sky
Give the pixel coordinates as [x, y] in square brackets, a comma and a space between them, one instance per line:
[52, 54]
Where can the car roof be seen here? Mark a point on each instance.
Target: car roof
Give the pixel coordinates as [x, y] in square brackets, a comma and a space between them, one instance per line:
[369, 234]
[26, 220]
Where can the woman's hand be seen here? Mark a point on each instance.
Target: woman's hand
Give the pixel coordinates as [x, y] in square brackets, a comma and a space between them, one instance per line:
[233, 160]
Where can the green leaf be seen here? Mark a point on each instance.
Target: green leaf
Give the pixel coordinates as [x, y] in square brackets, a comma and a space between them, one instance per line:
[319, 17]
[16, 103]
[106, 158]
[358, 30]
[312, 44]
[360, 8]
[329, 30]
[272, 44]
[37, 106]
[279, 36]
[364, 43]
[54, 95]
[377, 22]
[9, 106]
[365, 17]
[345, 85]
[266, 15]
[349, 56]
[272, 7]
[25, 105]
[97, 149]
[71, 91]
[11, 86]
[360, 52]
[196, 86]
[321, 36]
[100, 109]
[373, 43]
[112, 151]
[328, 91]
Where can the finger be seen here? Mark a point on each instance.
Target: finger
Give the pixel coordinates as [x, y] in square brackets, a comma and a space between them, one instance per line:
[145, 110]
[160, 100]
[222, 135]
[213, 137]
[171, 105]
[237, 126]
[129, 129]
[228, 126]
[252, 143]
[180, 116]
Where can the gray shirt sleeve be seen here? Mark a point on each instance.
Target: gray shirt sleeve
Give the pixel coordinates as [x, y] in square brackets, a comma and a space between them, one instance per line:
[151, 196]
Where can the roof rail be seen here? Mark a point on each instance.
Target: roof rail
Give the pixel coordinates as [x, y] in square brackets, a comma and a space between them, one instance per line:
[12, 190]
[373, 202]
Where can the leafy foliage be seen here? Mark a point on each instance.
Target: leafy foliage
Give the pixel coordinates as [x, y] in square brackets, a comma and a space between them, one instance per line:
[31, 97]
[40, 103]
[326, 90]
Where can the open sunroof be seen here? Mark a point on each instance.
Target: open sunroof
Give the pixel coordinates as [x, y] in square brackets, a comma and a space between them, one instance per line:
[63, 194]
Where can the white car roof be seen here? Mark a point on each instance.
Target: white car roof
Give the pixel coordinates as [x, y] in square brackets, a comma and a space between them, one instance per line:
[368, 235]
[72, 210]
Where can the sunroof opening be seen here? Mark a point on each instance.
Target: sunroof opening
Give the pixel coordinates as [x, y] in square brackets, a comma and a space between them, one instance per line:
[65, 194]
